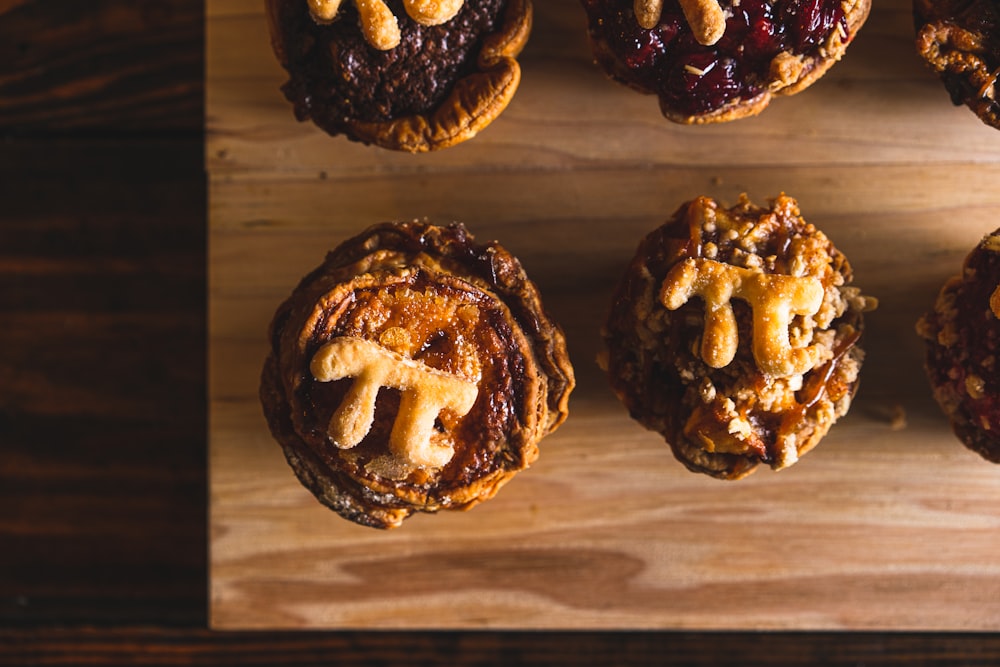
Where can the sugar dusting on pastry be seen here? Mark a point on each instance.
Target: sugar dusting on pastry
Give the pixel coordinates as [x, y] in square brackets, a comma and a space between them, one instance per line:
[432, 12]
[324, 11]
[647, 12]
[706, 18]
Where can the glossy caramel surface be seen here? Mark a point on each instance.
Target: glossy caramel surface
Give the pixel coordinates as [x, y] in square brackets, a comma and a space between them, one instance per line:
[450, 305]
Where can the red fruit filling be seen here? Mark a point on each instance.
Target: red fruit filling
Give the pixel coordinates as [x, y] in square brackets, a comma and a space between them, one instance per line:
[977, 348]
[694, 79]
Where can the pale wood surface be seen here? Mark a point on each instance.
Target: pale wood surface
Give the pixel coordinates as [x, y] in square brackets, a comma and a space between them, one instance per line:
[877, 528]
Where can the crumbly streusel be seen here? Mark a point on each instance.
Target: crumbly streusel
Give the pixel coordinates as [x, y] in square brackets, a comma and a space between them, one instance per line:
[726, 419]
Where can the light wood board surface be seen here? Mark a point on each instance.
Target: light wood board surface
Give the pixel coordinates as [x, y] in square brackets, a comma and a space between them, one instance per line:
[883, 526]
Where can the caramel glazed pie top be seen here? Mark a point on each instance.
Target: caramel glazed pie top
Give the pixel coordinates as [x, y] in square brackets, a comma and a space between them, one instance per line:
[409, 75]
[414, 370]
[733, 333]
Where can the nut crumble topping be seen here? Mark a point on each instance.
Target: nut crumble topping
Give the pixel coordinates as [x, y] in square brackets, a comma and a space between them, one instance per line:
[734, 334]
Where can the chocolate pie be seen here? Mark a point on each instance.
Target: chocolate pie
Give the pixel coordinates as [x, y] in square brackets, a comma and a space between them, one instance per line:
[960, 41]
[962, 333]
[413, 371]
[406, 75]
[734, 334]
[719, 60]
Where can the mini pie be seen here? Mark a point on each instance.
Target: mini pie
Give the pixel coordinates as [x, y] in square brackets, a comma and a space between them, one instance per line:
[414, 370]
[408, 75]
[962, 333]
[719, 60]
[960, 41]
[734, 334]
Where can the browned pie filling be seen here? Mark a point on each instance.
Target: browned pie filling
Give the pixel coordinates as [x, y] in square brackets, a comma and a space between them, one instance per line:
[963, 344]
[734, 333]
[960, 41]
[413, 371]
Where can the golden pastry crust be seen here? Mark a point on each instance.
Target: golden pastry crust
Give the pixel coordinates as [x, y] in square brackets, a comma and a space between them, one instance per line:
[962, 334]
[960, 42]
[788, 72]
[733, 333]
[433, 316]
[482, 87]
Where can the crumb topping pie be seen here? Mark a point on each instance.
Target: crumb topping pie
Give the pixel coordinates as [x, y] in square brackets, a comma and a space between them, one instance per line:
[734, 333]
[414, 370]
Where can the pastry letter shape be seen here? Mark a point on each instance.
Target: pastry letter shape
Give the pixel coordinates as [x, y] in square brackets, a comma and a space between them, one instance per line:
[774, 299]
[425, 393]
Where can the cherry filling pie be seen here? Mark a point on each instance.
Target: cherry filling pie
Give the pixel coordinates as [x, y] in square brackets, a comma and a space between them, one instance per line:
[401, 74]
[962, 333]
[718, 60]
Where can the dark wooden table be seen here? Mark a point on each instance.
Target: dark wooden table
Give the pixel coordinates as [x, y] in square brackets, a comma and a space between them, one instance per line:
[103, 545]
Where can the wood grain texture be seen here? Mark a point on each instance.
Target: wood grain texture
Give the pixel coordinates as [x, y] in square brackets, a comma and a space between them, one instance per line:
[468, 649]
[102, 252]
[108, 66]
[880, 528]
[102, 486]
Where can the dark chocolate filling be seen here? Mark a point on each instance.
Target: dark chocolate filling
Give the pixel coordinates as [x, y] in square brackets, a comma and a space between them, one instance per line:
[336, 76]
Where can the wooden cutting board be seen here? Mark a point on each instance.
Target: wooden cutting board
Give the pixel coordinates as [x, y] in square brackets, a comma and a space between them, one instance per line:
[889, 524]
